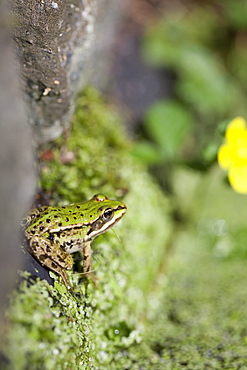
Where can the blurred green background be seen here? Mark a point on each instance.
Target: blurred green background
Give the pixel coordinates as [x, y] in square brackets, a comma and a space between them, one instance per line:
[203, 45]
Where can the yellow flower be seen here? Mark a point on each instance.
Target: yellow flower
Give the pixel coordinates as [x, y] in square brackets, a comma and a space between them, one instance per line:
[232, 155]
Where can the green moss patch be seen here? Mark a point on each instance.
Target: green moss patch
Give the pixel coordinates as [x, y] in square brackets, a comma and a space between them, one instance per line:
[203, 322]
[52, 329]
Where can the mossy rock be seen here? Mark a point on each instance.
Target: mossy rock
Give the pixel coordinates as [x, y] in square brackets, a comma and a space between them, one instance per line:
[49, 327]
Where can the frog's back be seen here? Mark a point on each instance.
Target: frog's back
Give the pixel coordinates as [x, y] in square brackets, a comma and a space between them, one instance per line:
[81, 214]
[33, 216]
[52, 217]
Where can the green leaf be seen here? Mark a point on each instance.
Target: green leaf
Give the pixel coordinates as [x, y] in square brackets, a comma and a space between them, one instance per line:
[161, 45]
[204, 83]
[168, 124]
[209, 152]
[146, 152]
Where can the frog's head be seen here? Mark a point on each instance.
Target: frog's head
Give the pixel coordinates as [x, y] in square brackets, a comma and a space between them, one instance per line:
[105, 214]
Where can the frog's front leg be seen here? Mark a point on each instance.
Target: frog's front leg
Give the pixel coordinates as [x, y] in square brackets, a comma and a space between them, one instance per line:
[87, 262]
[53, 256]
[87, 259]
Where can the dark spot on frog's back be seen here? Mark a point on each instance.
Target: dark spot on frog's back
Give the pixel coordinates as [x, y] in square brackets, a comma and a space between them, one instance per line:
[43, 214]
[61, 259]
[51, 237]
[34, 246]
[47, 248]
[53, 265]
[67, 219]
[42, 258]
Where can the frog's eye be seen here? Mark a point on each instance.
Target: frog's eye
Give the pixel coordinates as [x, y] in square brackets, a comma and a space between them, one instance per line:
[108, 214]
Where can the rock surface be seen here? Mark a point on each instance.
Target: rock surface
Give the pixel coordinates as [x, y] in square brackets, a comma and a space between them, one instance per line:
[59, 44]
[16, 169]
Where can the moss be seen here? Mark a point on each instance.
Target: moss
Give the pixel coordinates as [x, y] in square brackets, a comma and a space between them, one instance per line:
[96, 329]
[203, 321]
[95, 156]
[40, 315]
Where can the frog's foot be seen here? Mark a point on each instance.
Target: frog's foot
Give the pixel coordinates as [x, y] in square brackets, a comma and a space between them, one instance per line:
[61, 272]
[66, 281]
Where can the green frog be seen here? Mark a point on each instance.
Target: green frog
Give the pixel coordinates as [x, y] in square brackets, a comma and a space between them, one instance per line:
[53, 233]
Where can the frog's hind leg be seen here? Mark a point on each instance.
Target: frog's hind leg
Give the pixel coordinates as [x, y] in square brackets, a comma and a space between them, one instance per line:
[53, 257]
